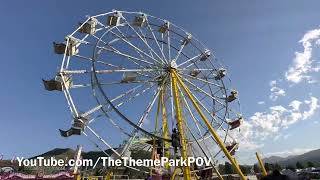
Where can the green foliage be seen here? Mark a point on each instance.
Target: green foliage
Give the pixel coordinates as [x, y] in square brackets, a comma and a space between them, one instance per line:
[268, 167]
[228, 168]
[310, 164]
[221, 168]
[256, 168]
[277, 167]
[299, 165]
[245, 169]
[292, 168]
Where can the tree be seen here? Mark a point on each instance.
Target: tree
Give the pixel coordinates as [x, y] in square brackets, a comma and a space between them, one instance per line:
[268, 167]
[277, 167]
[245, 169]
[221, 168]
[310, 164]
[299, 165]
[291, 168]
[256, 168]
[228, 168]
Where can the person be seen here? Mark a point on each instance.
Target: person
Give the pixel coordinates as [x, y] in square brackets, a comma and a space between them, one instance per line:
[175, 140]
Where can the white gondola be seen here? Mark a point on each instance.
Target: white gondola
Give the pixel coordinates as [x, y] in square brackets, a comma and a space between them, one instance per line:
[140, 20]
[60, 48]
[205, 55]
[77, 127]
[194, 73]
[129, 77]
[220, 74]
[164, 28]
[114, 20]
[233, 96]
[57, 83]
[89, 27]
[187, 39]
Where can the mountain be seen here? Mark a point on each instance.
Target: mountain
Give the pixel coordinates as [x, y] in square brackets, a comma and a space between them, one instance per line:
[311, 156]
[58, 153]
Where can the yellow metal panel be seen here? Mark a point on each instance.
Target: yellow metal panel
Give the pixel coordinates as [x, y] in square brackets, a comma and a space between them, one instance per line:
[186, 169]
[211, 129]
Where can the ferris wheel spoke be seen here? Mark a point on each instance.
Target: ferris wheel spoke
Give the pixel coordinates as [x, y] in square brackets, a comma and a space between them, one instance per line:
[119, 104]
[155, 39]
[75, 86]
[103, 141]
[168, 40]
[114, 123]
[215, 98]
[172, 104]
[200, 79]
[195, 120]
[90, 59]
[206, 109]
[108, 64]
[192, 63]
[107, 71]
[142, 119]
[179, 52]
[124, 39]
[130, 98]
[130, 58]
[128, 92]
[162, 42]
[145, 42]
[145, 39]
[114, 50]
[190, 59]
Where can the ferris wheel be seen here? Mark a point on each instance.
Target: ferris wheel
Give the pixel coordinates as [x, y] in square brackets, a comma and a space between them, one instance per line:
[134, 78]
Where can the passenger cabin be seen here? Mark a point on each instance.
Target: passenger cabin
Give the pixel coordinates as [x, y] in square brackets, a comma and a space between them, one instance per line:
[236, 123]
[187, 39]
[89, 27]
[233, 96]
[232, 148]
[60, 48]
[77, 127]
[220, 74]
[57, 83]
[114, 20]
[140, 20]
[205, 55]
[194, 73]
[129, 77]
[164, 28]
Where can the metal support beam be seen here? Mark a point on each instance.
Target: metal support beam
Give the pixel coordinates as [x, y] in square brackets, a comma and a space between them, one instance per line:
[207, 122]
[153, 154]
[165, 127]
[263, 169]
[183, 149]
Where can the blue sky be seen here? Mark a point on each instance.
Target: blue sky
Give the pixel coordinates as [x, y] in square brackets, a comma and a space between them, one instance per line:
[270, 48]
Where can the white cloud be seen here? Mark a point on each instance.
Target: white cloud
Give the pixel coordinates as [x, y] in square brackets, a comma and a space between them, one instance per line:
[269, 123]
[313, 106]
[275, 91]
[303, 62]
[287, 136]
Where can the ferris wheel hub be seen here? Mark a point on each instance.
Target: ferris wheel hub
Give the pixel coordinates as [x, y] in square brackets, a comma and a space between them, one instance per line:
[173, 64]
